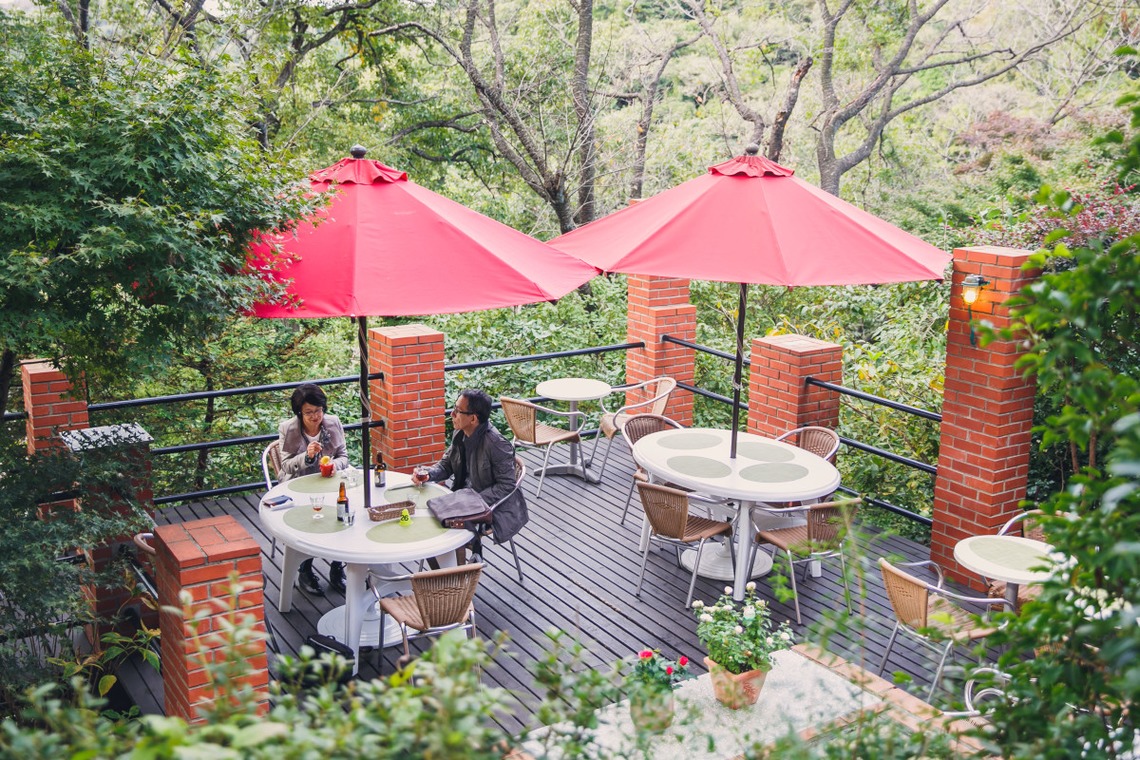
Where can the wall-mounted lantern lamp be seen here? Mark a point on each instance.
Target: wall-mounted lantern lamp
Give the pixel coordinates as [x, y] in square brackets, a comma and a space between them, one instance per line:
[972, 285]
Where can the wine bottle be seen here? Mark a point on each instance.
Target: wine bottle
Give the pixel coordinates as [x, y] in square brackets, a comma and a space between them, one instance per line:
[341, 503]
[381, 471]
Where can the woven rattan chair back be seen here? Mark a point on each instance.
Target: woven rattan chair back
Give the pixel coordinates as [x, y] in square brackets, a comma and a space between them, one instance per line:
[521, 416]
[637, 427]
[659, 391]
[820, 441]
[828, 523]
[444, 596]
[667, 509]
[908, 595]
[271, 463]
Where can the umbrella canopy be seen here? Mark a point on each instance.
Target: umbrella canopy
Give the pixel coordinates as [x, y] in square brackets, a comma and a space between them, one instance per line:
[749, 220]
[386, 246]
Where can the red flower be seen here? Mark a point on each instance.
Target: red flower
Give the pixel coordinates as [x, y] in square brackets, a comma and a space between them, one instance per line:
[682, 661]
[645, 654]
[668, 670]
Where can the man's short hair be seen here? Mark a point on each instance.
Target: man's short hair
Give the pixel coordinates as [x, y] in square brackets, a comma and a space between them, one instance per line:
[478, 401]
[308, 393]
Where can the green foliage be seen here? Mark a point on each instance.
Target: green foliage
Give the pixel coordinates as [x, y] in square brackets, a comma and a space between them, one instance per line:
[41, 598]
[134, 188]
[741, 638]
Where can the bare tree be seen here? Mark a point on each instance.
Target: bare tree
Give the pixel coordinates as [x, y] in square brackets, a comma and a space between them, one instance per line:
[772, 144]
[935, 41]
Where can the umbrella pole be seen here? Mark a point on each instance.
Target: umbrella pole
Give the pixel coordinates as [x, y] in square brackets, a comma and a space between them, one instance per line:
[365, 409]
[739, 372]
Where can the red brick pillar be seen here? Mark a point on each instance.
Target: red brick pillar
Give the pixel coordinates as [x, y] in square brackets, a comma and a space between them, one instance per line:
[779, 398]
[410, 399]
[202, 558]
[660, 306]
[987, 411]
[51, 403]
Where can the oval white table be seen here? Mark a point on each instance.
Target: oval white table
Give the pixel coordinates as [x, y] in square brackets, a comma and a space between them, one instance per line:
[764, 471]
[362, 545]
[1013, 559]
[573, 390]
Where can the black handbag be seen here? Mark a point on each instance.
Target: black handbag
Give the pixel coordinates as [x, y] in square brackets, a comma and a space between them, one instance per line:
[459, 509]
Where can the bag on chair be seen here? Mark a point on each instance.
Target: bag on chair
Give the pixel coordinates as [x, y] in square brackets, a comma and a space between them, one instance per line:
[459, 509]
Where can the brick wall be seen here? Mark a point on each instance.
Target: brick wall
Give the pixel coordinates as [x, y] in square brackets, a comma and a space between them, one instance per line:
[51, 403]
[410, 399]
[778, 398]
[203, 558]
[987, 411]
[660, 306]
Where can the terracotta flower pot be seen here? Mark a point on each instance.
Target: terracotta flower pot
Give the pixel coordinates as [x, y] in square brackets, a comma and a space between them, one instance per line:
[735, 690]
[651, 711]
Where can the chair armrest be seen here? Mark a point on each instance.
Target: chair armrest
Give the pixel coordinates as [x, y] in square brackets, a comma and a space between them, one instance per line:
[981, 601]
[558, 412]
[798, 509]
[623, 389]
[927, 563]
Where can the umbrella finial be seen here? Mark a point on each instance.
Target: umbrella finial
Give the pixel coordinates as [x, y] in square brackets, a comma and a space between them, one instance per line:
[357, 151]
[752, 149]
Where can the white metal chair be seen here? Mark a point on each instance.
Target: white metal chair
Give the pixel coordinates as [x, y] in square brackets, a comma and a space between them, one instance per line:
[271, 458]
[522, 416]
[441, 600]
[654, 396]
[486, 529]
[932, 614]
[667, 510]
[821, 536]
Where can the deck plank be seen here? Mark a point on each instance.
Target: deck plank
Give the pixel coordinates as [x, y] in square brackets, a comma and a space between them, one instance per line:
[580, 570]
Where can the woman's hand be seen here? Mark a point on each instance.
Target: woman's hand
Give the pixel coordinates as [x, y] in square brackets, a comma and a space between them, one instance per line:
[313, 450]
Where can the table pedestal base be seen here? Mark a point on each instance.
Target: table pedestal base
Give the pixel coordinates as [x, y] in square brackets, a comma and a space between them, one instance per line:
[716, 563]
[332, 624]
[577, 470]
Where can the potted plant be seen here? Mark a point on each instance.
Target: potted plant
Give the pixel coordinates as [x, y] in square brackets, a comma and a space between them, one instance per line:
[650, 686]
[740, 641]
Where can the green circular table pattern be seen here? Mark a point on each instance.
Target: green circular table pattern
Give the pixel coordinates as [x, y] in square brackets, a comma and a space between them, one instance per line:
[764, 452]
[315, 484]
[699, 467]
[690, 441]
[1013, 554]
[421, 528]
[300, 518]
[773, 472]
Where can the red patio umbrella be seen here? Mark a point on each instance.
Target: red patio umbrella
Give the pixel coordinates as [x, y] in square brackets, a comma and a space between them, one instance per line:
[386, 246]
[749, 220]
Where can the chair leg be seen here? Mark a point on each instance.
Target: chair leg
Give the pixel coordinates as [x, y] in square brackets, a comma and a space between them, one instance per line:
[890, 645]
[696, 567]
[605, 457]
[515, 552]
[542, 476]
[273, 549]
[846, 588]
[628, 501]
[938, 672]
[644, 562]
[380, 646]
[795, 591]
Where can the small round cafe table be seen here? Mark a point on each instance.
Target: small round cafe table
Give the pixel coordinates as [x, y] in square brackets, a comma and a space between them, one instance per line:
[1013, 559]
[361, 546]
[573, 390]
[764, 472]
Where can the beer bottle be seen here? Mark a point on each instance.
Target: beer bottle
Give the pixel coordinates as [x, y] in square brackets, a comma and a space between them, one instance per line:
[381, 471]
[341, 504]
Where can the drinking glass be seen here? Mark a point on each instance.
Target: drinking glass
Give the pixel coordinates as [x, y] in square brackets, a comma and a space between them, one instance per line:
[350, 477]
[421, 474]
[317, 503]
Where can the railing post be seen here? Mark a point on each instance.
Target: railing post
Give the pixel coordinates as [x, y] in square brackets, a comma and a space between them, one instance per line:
[660, 306]
[51, 403]
[201, 557]
[411, 398]
[987, 410]
[779, 398]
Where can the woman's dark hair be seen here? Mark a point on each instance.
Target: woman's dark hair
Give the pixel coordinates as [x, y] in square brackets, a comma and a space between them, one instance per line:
[307, 393]
[479, 402]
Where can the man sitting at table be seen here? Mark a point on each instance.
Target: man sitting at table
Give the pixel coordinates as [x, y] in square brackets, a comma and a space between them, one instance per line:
[482, 459]
[304, 438]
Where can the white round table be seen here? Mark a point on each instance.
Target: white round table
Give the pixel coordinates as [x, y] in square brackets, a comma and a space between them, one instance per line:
[573, 390]
[1013, 559]
[764, 471]
[360, 546]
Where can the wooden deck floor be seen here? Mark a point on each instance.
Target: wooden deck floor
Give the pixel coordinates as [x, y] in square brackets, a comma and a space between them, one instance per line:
[581, 568]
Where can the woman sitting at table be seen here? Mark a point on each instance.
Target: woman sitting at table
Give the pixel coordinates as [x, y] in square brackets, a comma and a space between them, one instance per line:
[304, 438]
